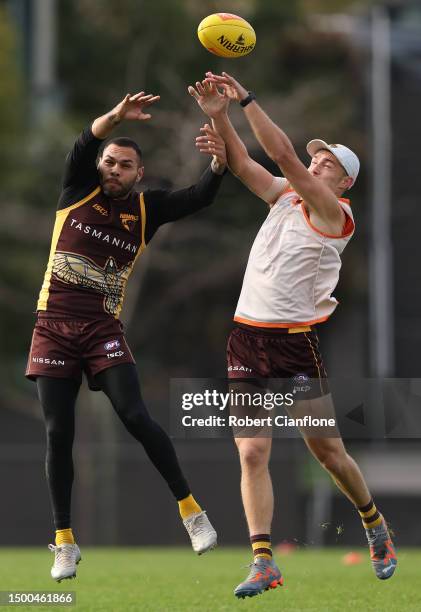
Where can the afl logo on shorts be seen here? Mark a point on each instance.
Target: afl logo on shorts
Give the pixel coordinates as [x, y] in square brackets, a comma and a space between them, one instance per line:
[300, 378]
[113, 344]
[301, 383]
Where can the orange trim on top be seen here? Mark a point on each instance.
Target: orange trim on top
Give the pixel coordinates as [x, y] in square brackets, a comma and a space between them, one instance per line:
[289, 190]
[279, 325]
[348, 227]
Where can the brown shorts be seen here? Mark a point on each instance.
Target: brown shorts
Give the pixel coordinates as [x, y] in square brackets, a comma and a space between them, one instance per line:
[66, 348]
[254, 354]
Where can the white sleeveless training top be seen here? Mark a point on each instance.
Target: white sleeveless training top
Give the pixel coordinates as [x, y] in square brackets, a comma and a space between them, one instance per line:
[293, 268]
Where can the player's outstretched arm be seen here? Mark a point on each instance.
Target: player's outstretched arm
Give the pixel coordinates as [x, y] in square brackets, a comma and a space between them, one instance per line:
[279, 148]
[80, 172]
[178, 204]
[211, 143]
[253, 175]
[129, 109]
[163, 205]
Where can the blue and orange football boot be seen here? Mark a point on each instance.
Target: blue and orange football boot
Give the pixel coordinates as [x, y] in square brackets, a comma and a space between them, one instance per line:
[263, 575]
[382, 551]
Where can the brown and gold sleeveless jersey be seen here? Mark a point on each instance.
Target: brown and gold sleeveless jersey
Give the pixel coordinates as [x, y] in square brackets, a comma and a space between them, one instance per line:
[97, 240]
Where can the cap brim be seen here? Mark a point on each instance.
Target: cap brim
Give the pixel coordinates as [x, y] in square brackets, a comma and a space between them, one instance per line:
[316, 145]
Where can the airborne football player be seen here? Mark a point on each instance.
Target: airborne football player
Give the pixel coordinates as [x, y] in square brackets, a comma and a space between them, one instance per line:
[292, 271]
[103, 225]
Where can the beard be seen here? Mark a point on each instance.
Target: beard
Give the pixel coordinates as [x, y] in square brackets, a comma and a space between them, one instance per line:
[114, 190]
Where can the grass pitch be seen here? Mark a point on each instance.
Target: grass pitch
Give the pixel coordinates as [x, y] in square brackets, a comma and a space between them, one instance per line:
[176, 580]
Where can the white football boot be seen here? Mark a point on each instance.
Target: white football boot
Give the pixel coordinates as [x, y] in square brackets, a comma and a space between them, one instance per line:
[202, 534]
[67, 556]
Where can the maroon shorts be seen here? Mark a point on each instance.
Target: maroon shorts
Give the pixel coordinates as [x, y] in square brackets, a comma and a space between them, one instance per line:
[66, 348]
[254, 354]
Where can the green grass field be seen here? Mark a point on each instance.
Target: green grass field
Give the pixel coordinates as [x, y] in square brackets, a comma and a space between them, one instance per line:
[170, 579]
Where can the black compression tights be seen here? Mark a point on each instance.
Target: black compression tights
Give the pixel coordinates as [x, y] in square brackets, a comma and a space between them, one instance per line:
[121, 385]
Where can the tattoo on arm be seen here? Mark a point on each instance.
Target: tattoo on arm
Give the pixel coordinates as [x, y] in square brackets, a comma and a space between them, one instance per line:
[114, 118]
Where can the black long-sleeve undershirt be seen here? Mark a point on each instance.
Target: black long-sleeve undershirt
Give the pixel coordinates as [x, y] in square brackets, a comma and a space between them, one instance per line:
[162, 205]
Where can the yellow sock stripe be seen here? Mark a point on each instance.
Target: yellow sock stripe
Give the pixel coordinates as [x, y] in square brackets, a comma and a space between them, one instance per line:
[64, 536]
[375, 523]
[262, 544]
[368, 513]
[264, 555]
[188, 506]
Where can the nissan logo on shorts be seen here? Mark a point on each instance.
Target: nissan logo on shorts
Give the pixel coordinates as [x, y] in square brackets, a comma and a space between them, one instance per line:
[113, 344]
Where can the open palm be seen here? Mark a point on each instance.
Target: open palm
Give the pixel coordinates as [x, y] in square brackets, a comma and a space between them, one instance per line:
[131, 108]
[211, 101]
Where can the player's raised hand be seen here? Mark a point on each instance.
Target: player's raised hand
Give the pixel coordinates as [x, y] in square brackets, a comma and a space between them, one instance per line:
[211, 101]
[131, 107]
[211, 143]
[232, 88]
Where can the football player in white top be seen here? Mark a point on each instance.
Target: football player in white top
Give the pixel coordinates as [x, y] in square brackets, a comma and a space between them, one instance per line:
[292, 271]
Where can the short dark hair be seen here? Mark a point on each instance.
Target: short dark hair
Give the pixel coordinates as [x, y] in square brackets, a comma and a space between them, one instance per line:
[122, 141]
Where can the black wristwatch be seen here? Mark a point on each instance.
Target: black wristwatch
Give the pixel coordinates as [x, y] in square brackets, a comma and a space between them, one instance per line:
[248, 99]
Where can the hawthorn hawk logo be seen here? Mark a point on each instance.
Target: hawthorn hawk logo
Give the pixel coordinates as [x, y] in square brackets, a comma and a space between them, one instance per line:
[128, 221]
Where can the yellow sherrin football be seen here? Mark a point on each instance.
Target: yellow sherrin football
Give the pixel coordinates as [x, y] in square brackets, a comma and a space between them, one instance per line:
[226, 35]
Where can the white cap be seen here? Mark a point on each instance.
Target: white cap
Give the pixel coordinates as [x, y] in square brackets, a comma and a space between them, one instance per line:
[347, 158]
